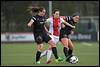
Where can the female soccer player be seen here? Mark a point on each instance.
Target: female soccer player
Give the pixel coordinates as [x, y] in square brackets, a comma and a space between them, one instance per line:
[54, 24]
[38, 22]
[64, 35]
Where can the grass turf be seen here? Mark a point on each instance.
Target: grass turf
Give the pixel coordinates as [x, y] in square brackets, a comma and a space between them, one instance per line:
[23, 54]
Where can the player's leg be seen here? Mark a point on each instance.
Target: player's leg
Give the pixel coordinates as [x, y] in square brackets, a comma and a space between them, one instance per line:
[49, 52]
[54, 51]
[39, 41]
[38, 53]
[64, 42]
[53, 46]
[71, 46]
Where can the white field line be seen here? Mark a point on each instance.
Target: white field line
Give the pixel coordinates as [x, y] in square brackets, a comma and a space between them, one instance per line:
[87, 44]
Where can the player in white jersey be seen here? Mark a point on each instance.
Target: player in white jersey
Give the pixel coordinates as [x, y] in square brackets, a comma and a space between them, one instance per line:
[54, 24]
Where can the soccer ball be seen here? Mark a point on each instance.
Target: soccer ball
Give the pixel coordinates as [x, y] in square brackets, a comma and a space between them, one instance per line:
[73, 60]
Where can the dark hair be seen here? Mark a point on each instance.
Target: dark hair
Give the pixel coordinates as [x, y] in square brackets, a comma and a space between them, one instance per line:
[76, 14]
[34, 9]
[37, 9]
[41, 9]
[55, 10]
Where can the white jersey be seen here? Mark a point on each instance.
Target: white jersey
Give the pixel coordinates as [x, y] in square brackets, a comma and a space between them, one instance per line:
[54, 27]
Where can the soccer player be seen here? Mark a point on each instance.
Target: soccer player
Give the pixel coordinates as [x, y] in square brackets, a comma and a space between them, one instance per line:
[38, 22]
[54, 24]
[64, 35]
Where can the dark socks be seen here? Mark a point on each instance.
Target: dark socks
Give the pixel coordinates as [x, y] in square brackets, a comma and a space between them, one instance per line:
[54, 50]
[65, 50]
[38, 55]
[70, 52]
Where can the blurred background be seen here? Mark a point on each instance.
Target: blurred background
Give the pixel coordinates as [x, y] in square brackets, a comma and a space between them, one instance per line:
[16, 14]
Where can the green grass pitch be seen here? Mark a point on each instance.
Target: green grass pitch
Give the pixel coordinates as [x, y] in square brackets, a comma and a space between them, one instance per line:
[23, 54]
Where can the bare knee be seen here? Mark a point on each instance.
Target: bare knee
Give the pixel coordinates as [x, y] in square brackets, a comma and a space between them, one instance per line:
[64, 42]
[70, 44]
[51, 43]
[39, 47]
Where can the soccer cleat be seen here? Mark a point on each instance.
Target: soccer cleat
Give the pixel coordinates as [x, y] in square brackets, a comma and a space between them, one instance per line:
[59, 59]
[67, 60]
[56, 60]
[48, 62]
[38, 62]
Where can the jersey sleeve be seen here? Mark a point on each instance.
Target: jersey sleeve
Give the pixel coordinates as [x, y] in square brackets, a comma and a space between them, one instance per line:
[33, 19]
[68, 18]
[47, 21]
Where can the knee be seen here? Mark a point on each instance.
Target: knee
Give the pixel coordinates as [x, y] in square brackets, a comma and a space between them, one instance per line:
[51, 43]
[40, 47]
[65, 43]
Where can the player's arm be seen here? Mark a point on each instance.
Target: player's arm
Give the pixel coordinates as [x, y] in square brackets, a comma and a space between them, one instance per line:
[30, 23]
[66, 23]
[46, 26]
[47, 30]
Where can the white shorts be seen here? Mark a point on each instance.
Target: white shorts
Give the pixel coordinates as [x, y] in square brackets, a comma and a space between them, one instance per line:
[55, 38]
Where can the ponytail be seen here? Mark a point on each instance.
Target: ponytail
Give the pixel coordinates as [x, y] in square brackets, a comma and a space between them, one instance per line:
[37, 9]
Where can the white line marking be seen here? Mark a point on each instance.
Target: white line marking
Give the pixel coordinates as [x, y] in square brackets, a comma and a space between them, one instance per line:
[87, 44]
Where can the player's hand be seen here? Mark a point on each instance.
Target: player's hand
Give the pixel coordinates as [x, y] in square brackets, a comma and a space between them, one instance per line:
[73, 26]
[29, 25]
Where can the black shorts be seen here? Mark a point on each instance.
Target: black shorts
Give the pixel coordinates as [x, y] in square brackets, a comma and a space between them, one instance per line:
[41, 37]
[64, 34]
